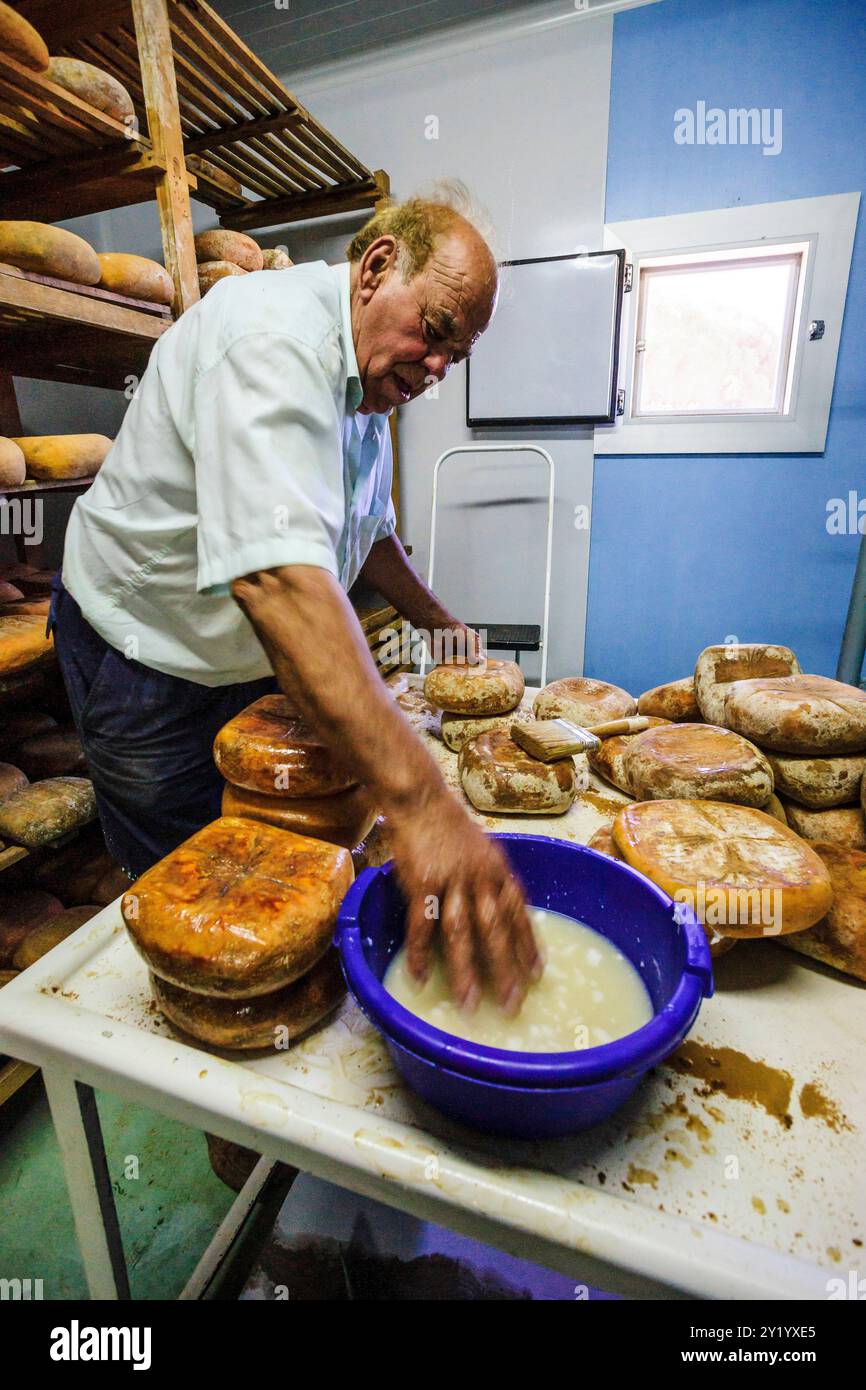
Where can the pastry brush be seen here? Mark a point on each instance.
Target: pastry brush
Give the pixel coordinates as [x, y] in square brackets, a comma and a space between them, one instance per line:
[549, 739]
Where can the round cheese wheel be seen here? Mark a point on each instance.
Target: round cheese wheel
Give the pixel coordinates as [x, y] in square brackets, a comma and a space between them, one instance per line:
[799, 714]
[235, 247]
[20, 912]
[375, 848]
[740, 871]
[775, 808]
[583, 701]
[608, 760]
[25, 608]
[275, 258]
[717, 667]
[268, 1020]
[136, 276]
[210, 272]
[498, 776]
[458, 729]
[424, 716]
[41, 813]
[819, 782]
[55, 754]
[22, 643]
[21, 41]
[839, 825]
[24, 724]
[47, 250]
[9, 594]
[93, 85]
[240, 909]
[57, 457]
[109, 885]
[487, 687]
[13, 469]
[839, 939]
[12, 779]
[40, 940]
[270, 748]
[342, 819]
[674, 701]
[603, 842]
[697, 760]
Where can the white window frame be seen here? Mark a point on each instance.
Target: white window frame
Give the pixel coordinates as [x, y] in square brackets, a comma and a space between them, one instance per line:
[828, 224]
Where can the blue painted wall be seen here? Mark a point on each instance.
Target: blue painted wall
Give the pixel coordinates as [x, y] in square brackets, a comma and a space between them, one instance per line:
[687, 551]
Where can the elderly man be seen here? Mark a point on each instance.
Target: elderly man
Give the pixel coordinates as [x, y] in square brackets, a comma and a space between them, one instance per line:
[248, 487]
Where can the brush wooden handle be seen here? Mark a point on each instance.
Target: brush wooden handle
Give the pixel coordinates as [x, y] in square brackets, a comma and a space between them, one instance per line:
[635, 724]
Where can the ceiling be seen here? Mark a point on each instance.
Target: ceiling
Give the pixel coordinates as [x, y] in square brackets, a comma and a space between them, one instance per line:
[304, 33]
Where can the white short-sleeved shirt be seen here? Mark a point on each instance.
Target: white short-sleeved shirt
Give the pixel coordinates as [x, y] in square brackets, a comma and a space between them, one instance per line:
[241, 450]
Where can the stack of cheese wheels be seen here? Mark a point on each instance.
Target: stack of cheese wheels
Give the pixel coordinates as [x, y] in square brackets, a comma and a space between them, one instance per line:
[279, 771]
[583, 701]
[675, 701]
[839, 939]
[236, 926]
[740, 871]
[500, 778]
[221, 253]
[812, 730]
[696, 760]
[475, 699]
[60, 457]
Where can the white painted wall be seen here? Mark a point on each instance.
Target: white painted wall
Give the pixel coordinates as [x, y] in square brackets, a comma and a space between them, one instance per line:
[522, 118]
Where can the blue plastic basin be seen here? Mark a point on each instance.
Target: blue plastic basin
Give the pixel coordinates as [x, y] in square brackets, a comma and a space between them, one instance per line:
[535, 1094]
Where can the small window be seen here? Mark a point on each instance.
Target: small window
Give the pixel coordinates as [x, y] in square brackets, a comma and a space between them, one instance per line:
[717, 332]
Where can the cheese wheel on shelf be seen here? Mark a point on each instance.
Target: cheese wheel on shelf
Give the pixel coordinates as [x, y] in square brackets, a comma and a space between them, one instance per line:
[697, 760]
[717, 668]
[839, 939]
[222, 245]
[59, 457]
[20, 912]
[21, 41]
[9, 593]
[608, 760]
[239, 909]
[483, 688]
[12, 780]
[458, 729]
[93, 85]
[268, 1020]
[48, 934]
[499, 776]
[799, 714]
[342, 819]
[47, 250]
[34, 583]
[24, 724]
[819, 782]
[25, 608]
[674, 701]
[41, 813]
[13, 469]
[740, 871]
[210, 272]
[275, 258]
[839, 825]
[22, 643]
[135, 276]
[269, 747]
[583, 701]
[55, 754]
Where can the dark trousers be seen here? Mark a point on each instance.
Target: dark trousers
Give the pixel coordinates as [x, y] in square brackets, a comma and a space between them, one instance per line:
[148, 739]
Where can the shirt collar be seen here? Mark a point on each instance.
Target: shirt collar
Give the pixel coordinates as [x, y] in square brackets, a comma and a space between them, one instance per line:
[354, 389]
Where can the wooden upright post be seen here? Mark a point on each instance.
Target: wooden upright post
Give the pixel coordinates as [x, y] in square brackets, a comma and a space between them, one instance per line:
[158, 81]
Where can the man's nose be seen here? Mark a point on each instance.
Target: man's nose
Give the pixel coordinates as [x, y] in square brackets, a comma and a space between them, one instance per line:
[437, 364]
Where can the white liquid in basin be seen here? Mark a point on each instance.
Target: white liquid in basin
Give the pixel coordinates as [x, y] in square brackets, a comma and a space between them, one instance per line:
[589, 994]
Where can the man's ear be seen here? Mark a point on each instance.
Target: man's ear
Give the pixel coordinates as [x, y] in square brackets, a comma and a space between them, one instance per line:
[377, 261]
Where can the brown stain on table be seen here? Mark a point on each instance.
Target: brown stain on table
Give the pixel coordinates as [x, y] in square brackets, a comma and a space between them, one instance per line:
[732, 1073]
[605, 804]
[815, 1105]
[641, 1176]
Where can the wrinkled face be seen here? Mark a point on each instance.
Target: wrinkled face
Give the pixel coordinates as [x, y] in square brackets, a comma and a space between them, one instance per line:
[407, 335]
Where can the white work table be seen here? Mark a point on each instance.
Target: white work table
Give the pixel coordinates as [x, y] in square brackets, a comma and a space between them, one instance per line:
[734, 1172]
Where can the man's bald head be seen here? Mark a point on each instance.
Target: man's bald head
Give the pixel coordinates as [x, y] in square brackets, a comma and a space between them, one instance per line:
[424, 288]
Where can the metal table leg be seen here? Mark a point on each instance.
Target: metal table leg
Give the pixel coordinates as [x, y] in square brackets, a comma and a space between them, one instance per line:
[76, 1123]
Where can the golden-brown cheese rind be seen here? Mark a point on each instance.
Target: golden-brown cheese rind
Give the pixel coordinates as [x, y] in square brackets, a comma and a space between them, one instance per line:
[268, 1020]
[697, 760]
[275, 258]
[342, 819]
[93, 85]
[13, 468]
[819, 782]
[239, 909]
[22, 643]
[58, 457]
[488, 687]
[498, 776]
[269, 747]
[44, 811]
[210, 272]
[839, 825]
[839, 939]
[717, 667]
[458, 729]
[136, 276]
[21, 41]
[675, 700]
[799, 714]
[608, 759]
[220, 244]
[48, 934]
[740, 870]
[583, 701]
[47, 250]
